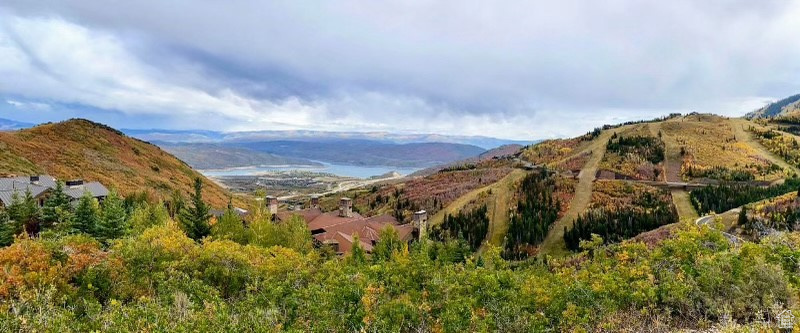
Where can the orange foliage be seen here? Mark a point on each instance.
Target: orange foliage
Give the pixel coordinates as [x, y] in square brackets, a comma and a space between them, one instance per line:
[83, 149]
[27, 264]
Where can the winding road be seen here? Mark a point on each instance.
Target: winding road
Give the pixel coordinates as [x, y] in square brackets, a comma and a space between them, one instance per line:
[705, 220]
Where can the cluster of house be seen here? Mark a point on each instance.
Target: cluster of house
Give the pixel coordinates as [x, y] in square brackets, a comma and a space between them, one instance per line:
[338, 229]
[41, 186]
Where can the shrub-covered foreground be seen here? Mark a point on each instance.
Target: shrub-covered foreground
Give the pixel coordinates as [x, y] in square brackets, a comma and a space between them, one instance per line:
[161, 280]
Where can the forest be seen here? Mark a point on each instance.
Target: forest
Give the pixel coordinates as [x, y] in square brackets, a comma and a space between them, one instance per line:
[726, 196]
[617, 224]
[649, 148]
[536, 210]
[471, 226]
[166, 270]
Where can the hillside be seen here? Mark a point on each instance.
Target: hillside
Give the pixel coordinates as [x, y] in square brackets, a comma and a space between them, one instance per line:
[215, 156]
[789, 106]
[84, 149]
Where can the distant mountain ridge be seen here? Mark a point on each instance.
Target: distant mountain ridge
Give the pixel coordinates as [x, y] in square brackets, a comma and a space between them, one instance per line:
[366, 152]
[785, 107]
[216, 156]
[199, 136]
[11, 125]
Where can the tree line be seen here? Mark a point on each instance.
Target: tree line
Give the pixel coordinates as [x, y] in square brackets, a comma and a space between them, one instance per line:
[727, 196]
[615, 225]
[537, 209]
[471, 226]
[649, 148]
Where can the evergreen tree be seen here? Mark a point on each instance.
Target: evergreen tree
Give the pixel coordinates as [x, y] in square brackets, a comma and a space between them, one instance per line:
[57, 208]
[86, 214]
[743, 217]
[195, 216]
[112, 223]
[25, 212]
[8, 228]
[230, 226]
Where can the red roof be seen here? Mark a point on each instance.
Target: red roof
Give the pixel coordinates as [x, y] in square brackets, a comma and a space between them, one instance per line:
[340, 230]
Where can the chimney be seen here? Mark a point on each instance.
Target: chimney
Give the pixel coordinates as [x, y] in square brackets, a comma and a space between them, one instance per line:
[34, 179]
[345, 207]
[272, 203]
[314, 201]
[420, 222]
[75, 182]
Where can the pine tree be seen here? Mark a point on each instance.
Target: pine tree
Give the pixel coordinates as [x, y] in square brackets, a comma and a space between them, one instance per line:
[57, 208]
[25, 212]
[86, 215]
[195, 216]
[743, 217]
[8, 228]
[112, 222]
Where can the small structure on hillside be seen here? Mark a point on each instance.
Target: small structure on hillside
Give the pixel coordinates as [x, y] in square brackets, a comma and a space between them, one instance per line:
[40, 187]
[420, 223]
[272, 204]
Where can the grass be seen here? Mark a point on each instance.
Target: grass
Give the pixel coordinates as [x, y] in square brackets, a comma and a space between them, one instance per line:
[83, 149]
[499, 198]
[554, 244]
[683, 203]
[712, 141]
[633, 165]
[740, 128]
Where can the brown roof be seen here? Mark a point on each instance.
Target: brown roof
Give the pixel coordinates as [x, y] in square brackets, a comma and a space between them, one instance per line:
[307, 214]
[340, 230]
[329, 219]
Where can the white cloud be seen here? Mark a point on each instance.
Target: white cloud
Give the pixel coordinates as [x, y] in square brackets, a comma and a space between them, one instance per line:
[515, 70]
[32, 106]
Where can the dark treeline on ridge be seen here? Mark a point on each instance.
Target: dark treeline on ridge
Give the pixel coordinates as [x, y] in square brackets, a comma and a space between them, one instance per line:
[536, 210]
[727, 196]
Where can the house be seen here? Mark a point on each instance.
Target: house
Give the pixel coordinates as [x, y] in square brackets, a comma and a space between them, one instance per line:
[41, 186]
[339, 228]
[216, 214]
[786, 320]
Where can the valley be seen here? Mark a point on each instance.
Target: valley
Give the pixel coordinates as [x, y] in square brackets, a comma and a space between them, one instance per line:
[634, 190]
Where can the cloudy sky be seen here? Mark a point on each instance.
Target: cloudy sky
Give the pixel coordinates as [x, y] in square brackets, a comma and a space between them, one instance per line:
[509, 69]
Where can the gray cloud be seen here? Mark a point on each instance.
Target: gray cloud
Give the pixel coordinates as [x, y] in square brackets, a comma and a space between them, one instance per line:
[514, 69]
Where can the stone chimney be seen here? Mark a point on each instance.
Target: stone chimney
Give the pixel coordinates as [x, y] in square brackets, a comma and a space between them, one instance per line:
[420, 222]
[314, 201]
[272, 203]
[345, 207]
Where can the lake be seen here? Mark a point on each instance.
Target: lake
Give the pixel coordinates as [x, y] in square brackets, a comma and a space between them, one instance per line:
[355, 171]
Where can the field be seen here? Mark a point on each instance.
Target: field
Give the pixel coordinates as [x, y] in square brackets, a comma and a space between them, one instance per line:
[634, 153]
[620, 195]
[727, 156]
[555, 151]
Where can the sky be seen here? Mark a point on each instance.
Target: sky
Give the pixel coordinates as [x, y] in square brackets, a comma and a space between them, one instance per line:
[508, 69]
